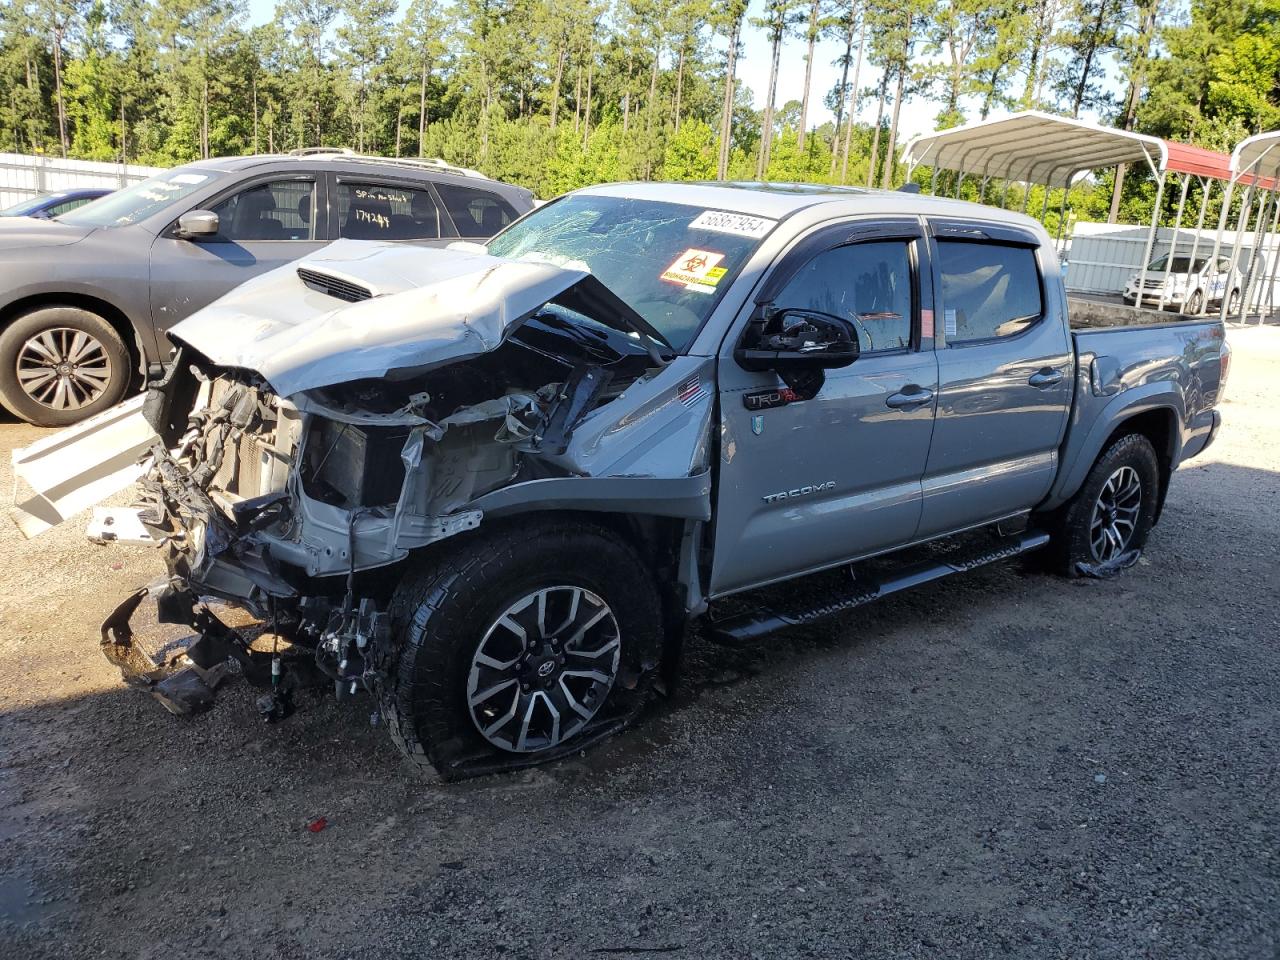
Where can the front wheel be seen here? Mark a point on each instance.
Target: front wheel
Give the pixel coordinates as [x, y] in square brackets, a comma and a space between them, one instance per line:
[513, 646]
[1104, 528]
[1195, 304]
[61, 365]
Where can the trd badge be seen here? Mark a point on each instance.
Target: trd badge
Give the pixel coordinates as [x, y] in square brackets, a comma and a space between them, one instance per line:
[757, 424]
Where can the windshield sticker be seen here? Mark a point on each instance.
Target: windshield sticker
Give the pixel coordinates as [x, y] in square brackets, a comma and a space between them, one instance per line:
[697, 270]
[738, 224]
[188, 178]
[949, 322]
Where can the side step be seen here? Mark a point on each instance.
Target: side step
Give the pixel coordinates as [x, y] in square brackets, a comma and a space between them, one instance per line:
[757, 623]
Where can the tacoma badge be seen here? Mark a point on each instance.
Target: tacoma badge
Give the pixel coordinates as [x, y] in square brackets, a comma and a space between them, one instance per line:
[799, 492]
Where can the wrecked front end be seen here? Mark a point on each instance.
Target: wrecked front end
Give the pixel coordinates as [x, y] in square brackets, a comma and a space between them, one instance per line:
[299, 509]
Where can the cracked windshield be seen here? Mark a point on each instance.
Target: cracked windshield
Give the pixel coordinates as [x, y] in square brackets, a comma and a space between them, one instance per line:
[670, 262]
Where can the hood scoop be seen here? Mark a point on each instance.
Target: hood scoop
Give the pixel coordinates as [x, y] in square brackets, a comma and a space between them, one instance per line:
[338, 287]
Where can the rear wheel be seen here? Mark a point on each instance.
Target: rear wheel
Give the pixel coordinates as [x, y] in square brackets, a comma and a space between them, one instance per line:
[1233, 303]
[515, 643]
[61, 365]
[1104, 528]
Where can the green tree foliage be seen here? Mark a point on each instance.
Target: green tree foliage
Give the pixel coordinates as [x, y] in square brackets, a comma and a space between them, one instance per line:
[554, 96]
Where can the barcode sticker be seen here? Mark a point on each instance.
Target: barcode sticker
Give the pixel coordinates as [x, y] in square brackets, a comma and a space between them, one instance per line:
[949, 322]
[739, 224]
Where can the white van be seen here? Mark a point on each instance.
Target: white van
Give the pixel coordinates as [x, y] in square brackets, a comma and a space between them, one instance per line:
[1185, 286]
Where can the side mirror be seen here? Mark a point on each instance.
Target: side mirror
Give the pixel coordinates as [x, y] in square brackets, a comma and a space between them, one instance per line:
[798, 345]
[197, 225]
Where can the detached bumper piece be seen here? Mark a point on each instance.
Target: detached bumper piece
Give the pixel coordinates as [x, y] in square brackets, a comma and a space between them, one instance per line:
[186, 679]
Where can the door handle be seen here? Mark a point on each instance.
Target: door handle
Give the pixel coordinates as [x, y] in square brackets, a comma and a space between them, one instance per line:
[1045, 377]
[913, 396]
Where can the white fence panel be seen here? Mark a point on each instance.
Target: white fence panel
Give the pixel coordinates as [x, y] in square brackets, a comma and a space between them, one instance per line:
[1103, 256]
[23, 176]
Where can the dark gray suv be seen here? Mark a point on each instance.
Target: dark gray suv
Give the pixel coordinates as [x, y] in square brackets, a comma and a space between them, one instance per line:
[86, 298]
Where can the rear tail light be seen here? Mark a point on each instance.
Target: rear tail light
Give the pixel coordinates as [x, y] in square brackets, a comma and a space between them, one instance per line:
[1225, 369]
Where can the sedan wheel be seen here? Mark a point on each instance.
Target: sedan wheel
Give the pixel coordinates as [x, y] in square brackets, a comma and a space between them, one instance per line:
[63, 369]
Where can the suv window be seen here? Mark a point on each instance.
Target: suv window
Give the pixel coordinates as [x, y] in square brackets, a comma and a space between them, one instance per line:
[989, 290]
[267, 211]
[868, 284]
[476, 213]
[374, 211]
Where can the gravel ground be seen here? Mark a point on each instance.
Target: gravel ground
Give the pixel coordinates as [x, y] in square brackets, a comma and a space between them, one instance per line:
[1001, 764]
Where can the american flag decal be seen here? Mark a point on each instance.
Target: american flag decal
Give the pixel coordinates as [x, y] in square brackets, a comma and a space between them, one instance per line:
[691, 391]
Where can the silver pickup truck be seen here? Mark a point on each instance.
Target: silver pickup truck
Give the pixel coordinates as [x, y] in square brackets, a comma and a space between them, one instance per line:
[493, 484]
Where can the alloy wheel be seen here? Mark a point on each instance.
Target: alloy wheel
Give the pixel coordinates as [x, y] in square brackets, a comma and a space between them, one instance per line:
[63, 368]
[1115, 515]
[543, 669]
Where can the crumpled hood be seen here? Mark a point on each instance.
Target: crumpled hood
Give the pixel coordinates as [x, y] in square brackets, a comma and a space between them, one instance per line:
[22, 233]
[427, 307]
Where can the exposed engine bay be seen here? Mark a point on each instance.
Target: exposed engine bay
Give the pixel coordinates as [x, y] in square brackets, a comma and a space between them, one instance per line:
[300, 511]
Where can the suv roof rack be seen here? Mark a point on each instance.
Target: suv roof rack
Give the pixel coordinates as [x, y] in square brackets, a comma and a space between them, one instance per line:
[315, 151]
[429, 163]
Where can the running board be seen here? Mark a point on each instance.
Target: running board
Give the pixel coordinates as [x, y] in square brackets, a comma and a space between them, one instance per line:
[757, 623]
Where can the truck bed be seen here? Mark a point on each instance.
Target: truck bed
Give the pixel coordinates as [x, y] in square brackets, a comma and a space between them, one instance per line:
[1089, 314]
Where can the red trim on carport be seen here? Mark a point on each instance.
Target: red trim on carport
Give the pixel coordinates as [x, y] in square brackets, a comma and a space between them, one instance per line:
[1203, 162]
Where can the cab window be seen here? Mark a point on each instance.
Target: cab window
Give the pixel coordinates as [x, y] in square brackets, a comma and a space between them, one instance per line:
[280, 210]
[989, 290]
[868, 284]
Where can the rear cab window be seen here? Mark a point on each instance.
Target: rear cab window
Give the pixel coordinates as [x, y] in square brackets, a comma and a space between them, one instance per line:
[990, 290]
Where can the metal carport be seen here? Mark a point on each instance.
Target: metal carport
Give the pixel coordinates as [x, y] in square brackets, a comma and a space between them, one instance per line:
[1255, 163]
[1033, 147]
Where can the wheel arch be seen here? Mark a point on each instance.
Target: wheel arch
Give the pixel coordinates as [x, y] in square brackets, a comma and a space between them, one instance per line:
[1154, 415]
[108, 311]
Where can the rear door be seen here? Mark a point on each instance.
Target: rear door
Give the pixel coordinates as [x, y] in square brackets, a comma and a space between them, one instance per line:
[389, 209]
[262, 224]
[1004, 376]
[806, 484]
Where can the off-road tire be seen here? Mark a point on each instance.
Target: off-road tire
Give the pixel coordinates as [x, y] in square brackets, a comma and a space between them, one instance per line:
[16, 336]
[1069, 551]
[441, 607]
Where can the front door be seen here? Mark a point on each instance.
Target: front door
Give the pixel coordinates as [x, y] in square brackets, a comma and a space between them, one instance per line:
[808, 484]
[1005, 368]
[262, 225]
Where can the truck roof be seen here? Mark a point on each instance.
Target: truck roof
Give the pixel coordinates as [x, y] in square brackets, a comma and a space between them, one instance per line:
[778, 200]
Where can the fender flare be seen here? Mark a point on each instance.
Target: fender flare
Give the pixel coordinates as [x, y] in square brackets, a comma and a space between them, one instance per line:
[1160, 396]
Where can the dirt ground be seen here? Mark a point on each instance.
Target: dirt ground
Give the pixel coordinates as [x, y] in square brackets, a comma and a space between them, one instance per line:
[1001, 764]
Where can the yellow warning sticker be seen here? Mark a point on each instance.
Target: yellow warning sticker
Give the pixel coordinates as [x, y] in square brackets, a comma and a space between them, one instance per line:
[696, 270]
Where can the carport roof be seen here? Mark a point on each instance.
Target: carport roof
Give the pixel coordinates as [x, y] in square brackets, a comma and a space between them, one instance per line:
[1257, 156]
[1034, 147]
